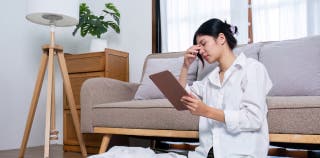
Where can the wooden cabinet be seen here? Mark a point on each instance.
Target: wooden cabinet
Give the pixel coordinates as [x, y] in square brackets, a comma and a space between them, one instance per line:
[109, 63]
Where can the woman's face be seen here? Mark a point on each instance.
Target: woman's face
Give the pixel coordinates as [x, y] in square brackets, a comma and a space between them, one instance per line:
[211, 48]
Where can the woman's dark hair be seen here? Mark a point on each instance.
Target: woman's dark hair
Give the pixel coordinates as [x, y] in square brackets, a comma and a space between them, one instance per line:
[212, 28]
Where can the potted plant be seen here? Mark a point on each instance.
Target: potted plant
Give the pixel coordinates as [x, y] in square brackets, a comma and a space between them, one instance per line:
[97, 25]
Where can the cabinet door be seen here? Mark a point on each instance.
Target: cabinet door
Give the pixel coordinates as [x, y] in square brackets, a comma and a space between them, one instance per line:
[92, 140]
[76, 83]
[117, 65]
[69, 136]
[70, 141]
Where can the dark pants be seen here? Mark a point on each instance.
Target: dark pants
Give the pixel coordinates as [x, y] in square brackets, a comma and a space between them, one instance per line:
[210, 153]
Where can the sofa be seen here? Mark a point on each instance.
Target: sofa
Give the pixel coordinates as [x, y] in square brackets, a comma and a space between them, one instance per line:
[113, 107]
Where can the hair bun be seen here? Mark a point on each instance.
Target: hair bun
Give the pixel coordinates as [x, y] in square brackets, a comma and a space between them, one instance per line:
[234, 29]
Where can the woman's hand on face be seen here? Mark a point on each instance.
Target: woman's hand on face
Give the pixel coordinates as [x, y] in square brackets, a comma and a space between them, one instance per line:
[195, 106]
[190, 55]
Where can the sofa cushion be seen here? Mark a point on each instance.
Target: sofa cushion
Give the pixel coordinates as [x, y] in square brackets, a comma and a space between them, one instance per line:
[143, 114]
[293, 66]
[250, 50]
[154, 64]
[294, 114]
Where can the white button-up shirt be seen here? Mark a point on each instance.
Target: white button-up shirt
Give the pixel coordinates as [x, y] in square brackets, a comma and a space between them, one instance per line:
[242, 97]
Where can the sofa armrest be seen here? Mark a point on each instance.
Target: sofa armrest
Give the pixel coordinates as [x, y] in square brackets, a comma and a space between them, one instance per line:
[102, 90]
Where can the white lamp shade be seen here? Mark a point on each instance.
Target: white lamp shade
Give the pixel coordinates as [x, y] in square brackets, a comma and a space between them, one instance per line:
[53, 12]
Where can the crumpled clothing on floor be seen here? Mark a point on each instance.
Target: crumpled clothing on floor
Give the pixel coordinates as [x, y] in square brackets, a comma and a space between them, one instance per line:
[134, 152]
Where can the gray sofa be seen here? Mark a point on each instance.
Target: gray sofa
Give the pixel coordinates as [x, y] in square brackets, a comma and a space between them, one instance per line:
[113, 107]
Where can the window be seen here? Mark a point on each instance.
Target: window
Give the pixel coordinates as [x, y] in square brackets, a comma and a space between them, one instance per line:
[271, 19]
[181, 18]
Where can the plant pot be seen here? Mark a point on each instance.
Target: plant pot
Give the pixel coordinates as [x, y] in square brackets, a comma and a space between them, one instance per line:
[98, 45]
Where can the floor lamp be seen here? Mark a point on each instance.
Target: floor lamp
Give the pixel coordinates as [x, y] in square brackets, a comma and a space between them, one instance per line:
[54, 13]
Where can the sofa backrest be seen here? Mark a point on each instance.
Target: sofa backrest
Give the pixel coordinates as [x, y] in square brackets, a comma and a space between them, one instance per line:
[293, 66]
[250, 50]
[155, 62]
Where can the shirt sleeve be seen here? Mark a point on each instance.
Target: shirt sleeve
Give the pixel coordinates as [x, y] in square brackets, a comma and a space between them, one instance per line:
[196, 89]
[253, 107]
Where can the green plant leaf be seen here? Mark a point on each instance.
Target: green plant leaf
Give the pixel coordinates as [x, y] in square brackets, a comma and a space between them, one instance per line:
[110, 8]
[114, 26]
[97, 25]
[84, 30]
[117, 19]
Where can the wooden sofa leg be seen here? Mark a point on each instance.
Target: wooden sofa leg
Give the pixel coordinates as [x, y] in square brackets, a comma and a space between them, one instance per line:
[105, 142]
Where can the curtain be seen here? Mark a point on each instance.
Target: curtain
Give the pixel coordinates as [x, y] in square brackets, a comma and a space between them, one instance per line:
[313, 8]
[181, 18]
[284, 19]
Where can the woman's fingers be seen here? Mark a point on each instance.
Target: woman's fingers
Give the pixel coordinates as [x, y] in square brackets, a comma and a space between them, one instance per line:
[191, 54]
[193, 50]
[188, 104]
[186, 100]
[195, 106]
[191, 108]
[192, 96]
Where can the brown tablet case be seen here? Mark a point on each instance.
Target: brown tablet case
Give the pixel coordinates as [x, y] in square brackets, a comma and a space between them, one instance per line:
[170, 87]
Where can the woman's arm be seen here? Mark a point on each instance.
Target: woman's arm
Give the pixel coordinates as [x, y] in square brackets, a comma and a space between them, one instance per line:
[253, 107]
[183, 76]
[189, 57]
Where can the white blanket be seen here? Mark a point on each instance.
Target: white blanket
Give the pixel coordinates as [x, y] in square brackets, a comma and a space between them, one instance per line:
[134, 152]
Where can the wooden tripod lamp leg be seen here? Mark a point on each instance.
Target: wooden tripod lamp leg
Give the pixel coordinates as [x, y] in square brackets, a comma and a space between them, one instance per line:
[53, 131]
[48, 104]
[34, 102]
[53, 120]
[70, 98]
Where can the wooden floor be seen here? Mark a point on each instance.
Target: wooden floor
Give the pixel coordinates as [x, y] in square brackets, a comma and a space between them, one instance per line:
[56, 151]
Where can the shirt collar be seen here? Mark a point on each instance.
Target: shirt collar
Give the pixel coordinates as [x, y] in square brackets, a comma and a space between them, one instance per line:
[239, 63]
[240, 60]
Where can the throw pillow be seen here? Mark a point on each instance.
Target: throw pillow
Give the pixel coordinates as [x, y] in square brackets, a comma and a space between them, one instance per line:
[147, 89]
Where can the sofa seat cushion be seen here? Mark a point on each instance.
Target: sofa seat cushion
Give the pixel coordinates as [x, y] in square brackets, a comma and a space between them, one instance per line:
[294, 114]
[143, 114]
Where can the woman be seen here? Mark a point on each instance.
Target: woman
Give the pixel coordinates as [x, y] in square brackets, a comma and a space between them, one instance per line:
[230, 100]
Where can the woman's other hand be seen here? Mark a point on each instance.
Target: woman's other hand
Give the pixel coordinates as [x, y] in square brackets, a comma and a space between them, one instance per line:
[190, 55]
[195, 105]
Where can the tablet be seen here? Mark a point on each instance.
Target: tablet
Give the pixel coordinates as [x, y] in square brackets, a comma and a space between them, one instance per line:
[170, 87]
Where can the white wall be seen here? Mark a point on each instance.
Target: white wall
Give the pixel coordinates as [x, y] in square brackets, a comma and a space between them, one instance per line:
[135, 36]
[21, 41]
